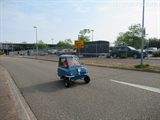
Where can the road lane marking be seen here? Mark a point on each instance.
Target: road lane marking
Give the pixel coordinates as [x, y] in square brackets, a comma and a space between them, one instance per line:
[157, 90]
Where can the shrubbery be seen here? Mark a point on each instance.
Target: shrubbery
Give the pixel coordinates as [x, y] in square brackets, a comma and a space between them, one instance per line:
[142, 66]
[108, 56]
[123, 56]
[156, 54]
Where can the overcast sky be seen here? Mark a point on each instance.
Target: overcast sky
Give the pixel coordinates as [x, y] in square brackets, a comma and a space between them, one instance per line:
[63, 19]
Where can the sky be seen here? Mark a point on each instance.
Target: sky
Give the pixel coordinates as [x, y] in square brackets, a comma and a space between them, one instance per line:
[57, 20]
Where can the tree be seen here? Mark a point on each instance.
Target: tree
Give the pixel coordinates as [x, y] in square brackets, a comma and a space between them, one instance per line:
[41, 45]
[82, 35]
[65, 43]
[132, 37]
[153, 42]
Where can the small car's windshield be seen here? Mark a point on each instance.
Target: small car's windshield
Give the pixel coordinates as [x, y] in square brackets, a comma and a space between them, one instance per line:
[73, 61]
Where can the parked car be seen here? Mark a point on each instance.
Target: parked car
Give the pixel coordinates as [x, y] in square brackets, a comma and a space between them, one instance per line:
[70, 69]
[42, 53]
[66, 51]
[127, 51]
[150, 50]
[55, 52]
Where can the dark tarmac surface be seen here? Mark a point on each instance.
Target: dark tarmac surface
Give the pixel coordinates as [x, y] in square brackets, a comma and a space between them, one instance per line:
[7, 106]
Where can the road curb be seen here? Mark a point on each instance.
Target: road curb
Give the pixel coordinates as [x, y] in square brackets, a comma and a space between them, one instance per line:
[24, 111]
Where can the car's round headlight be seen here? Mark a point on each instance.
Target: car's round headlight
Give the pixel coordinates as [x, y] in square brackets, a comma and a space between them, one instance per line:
[79, 69]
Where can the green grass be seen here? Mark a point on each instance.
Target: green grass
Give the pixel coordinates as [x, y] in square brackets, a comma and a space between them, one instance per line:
[145, 67]
[142, 66]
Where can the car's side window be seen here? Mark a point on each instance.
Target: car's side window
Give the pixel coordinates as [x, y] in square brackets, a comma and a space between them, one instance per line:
[126, 49]
[119, 48]
[60, 62]
[63, 62]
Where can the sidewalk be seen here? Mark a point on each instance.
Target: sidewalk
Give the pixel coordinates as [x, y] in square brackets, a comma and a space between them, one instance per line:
[7, 105]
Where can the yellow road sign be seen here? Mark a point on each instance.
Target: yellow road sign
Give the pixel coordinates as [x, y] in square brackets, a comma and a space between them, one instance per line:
[78, 44]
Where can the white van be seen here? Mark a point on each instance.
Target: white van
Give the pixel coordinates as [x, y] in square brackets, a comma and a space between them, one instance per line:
[150, 50]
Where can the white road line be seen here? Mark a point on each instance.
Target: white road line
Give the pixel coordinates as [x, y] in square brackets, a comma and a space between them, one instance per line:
[157, 90]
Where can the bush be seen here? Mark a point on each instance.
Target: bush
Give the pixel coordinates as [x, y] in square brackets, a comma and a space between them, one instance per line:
[123, 55]
[108, 56]
[156, 54]
[142, 66]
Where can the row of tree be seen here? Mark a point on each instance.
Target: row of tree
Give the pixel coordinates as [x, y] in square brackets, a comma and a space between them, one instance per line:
[132, 37]
[24, 46]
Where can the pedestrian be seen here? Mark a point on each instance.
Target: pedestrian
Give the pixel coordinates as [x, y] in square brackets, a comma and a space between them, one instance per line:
[28, 53]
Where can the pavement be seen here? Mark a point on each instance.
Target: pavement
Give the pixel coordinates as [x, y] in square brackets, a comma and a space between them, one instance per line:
[11, 108]
[7, 105]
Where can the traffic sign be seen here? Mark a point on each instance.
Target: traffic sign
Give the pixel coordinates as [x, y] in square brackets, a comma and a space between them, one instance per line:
[78, 44]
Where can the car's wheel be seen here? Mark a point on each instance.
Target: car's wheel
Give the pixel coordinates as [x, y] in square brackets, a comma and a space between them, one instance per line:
[87, 79]
[115, 55]
[67, 82]
[135, 56]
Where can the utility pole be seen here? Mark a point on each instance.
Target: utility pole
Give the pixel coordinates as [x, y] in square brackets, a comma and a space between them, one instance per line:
[143, 33]
[52, 41]
[92, 35]
[36, 40]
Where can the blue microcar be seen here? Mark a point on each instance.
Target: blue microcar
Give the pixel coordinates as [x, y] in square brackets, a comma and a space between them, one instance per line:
[70, 69]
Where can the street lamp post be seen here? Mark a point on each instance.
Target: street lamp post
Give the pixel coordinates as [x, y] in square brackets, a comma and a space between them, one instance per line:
[143, 33]
[6, 48]
[36, 40]
[92, 35]
[11, 46]
[52, 40]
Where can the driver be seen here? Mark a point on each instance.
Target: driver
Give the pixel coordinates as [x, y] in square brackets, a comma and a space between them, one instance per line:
[64, 63]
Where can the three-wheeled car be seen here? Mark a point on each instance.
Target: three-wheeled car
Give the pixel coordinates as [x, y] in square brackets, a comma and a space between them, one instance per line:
[70, 69]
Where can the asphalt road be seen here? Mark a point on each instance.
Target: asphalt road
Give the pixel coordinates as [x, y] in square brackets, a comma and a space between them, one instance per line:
[112, 94]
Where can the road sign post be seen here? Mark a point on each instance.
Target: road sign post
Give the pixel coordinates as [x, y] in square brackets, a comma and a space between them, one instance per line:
[79, 44]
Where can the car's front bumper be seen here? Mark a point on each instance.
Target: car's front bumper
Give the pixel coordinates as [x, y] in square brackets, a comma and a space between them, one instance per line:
[75, 77]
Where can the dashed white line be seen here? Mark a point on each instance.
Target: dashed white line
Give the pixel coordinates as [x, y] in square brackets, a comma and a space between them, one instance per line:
[157, 90]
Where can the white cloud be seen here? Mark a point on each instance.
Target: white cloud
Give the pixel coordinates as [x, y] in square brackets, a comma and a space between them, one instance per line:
[80, 7]
[102, 8]
[61, 20]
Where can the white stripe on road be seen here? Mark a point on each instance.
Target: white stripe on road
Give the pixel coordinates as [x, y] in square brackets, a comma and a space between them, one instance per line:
[157, 90]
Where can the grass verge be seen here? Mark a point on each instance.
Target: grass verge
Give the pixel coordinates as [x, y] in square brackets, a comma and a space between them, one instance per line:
[145, 67]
